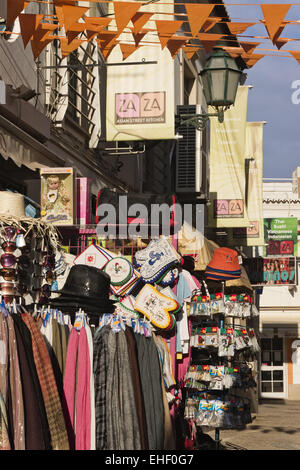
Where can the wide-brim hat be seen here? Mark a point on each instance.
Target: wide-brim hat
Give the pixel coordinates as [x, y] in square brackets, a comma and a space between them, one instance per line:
[224, 265]
[87, 285]
[12, 204]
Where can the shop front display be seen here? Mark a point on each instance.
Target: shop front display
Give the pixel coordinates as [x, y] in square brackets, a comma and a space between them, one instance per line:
[120, 354]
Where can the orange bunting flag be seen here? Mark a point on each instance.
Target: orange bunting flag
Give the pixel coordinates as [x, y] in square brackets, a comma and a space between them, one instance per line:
[139, 20]
[37, 46]
[296, 55]
[249, 46]
[175, 44]
[197, 15]
[107, 50]
[124, 12]
[209, 40]
[238, 28]
[210, 23]
[166, 29]
[282, 42]
[106, 38]
[274, 16]
[75, 30]
[127, 49]
[41, 38]
[71, 15]
[237, 51]
[95, 25]
[139, 36]
[14, 9]
[253, 59]
[67, 49]
[29, 23]
[190, 51]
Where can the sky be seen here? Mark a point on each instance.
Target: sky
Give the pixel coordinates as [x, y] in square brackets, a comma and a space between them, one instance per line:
[272, 79]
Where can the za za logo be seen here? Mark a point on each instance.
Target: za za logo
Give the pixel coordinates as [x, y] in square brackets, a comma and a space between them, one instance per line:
[140, 108]
[228, 208]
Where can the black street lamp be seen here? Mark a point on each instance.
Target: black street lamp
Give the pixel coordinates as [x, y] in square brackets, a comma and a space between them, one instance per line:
[220, 79]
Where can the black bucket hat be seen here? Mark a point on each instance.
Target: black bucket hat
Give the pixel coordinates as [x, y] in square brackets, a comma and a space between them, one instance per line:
[86, 287]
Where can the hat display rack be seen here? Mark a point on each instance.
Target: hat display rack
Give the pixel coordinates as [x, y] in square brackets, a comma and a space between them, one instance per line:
[27, 253]
[221, 376]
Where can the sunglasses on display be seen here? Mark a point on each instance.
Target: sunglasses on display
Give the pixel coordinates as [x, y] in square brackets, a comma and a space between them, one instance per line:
[8, 260]
[9, 233]
[9, 247]
[9, 288]
[9, 274]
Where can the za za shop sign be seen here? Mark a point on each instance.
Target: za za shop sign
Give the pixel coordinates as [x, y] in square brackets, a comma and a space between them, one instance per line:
[140, 108]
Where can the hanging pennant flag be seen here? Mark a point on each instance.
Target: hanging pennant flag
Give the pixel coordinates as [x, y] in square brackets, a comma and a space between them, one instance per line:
[108, 49]
[209, 40]
[210, 23]
[238, 28]
[106, 38]
[296, 55]
[166, 29]
[127, 49]
[281, 42]
[29, 24]
[67, 49]
[249, 46]
[190, 51]
[274, 16]
[14, 8]
[37, 46]
[75, 30]
[95, 25]
[139, 20]
[124, 11]
[41, 38]
[139, 36]
[253, 59]
[197, 15]
[175, 44]
[71, 15]
[234, 50]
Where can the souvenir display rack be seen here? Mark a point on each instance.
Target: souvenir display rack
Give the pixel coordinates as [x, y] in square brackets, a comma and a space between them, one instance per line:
[27, 260]
[221, 368]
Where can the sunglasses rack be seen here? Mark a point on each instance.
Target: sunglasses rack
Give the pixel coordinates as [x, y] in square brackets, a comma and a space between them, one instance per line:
[27, 262]
[223, 347]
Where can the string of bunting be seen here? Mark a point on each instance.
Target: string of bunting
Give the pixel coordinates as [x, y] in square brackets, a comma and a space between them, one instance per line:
[72, 26]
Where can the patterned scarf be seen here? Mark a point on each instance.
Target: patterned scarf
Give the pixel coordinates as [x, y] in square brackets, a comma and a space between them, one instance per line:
[100, 367]
[53, 407]
[77, 395]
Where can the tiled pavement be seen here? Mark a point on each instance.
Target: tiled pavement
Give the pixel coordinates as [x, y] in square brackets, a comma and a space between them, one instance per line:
[275, 427]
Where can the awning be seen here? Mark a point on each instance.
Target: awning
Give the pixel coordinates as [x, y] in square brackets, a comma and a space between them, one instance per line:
[23, 149]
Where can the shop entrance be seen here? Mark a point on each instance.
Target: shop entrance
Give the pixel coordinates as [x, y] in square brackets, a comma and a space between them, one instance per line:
[273, 384]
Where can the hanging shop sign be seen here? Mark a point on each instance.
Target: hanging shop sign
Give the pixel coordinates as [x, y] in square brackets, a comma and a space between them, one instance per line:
[140, 98]
[227, 161]
[57, 195]
[271, 271]
[254, 234]
[281, 236]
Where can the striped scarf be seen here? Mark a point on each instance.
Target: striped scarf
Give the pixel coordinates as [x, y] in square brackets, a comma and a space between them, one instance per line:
[53, 407]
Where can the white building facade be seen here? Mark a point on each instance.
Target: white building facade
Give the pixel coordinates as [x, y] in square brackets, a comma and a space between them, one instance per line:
[280, 305]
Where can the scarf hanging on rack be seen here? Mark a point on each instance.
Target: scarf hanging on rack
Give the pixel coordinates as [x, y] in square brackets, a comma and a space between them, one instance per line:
[15, 404]
[77, 389]
[37, 436]
[100, 368]
[56, 422]
[4, 428]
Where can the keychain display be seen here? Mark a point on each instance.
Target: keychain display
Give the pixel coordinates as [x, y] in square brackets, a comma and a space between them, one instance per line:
[220, 368]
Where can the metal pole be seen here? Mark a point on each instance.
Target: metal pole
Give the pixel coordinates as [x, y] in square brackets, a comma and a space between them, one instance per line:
[79, 66]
